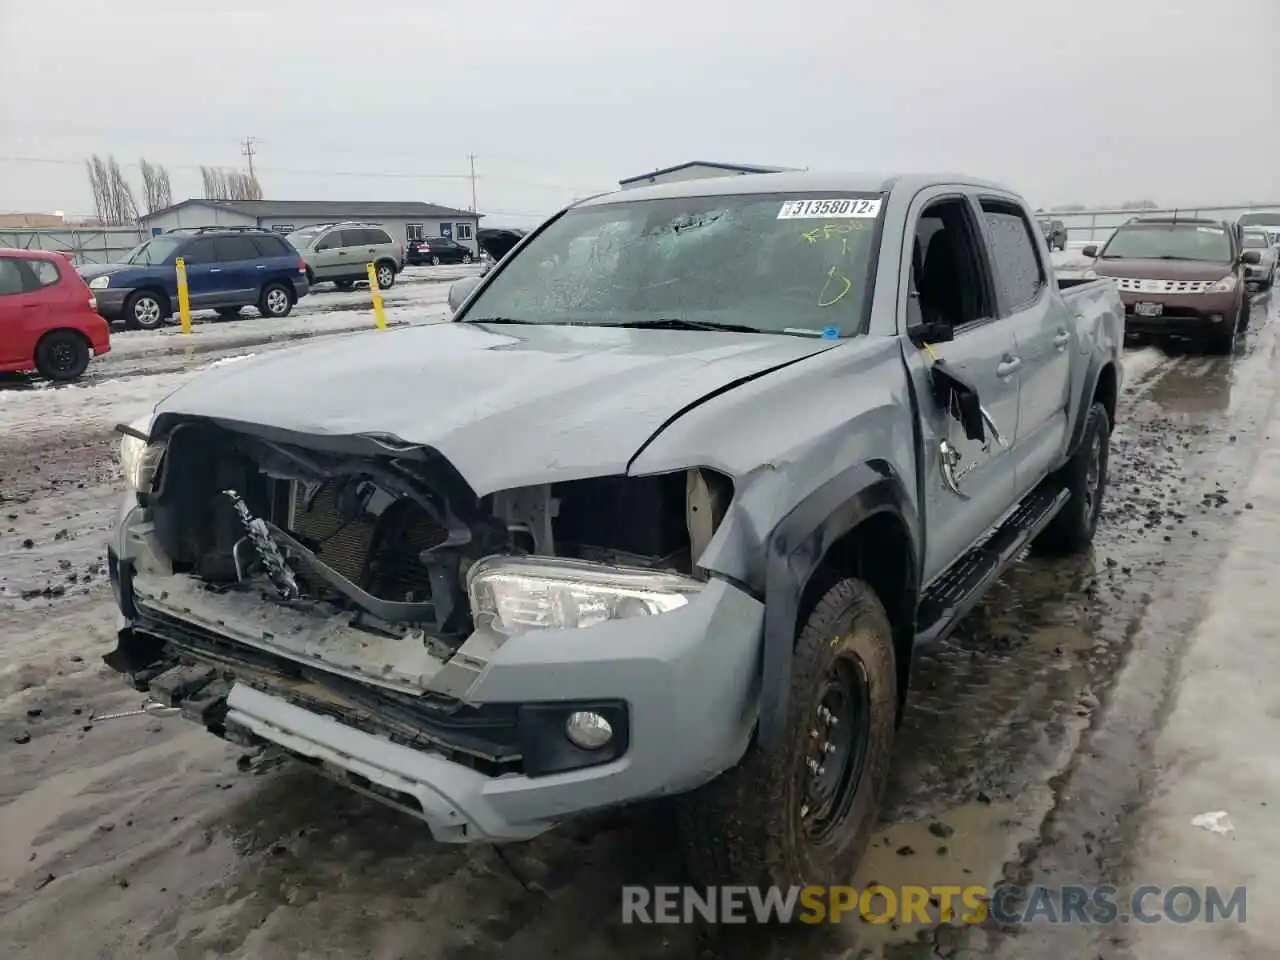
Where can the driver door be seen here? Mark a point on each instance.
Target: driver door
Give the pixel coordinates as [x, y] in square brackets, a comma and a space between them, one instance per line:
[968, 483]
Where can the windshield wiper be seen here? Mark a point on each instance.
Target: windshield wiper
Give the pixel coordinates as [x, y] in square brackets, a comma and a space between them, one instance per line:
[678, 323]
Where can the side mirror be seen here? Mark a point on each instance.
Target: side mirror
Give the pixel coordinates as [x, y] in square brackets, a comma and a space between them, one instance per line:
[1251, 257]
[1090, 251]
[460, 290]
[918, 331]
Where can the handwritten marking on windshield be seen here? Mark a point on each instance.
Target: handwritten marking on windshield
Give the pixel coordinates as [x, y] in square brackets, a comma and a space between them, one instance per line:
[830, 231]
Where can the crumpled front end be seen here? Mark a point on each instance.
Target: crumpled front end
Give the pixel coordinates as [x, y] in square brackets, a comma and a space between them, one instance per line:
[488, 664]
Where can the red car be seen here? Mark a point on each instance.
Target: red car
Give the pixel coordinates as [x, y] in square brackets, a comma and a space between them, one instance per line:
[48, 317]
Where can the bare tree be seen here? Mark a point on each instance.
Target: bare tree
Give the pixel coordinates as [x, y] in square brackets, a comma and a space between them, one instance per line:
[113, 198]
[156, 190]
[220, 184]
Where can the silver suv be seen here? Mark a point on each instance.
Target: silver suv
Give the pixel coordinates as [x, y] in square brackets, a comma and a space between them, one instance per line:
[341, 252]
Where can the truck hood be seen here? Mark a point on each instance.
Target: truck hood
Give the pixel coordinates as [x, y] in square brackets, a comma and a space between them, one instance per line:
[1162, 269]
[509, 406]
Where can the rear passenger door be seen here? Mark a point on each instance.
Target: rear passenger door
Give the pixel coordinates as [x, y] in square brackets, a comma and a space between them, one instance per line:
[1042, 331]
[204, 274]
[239, 260]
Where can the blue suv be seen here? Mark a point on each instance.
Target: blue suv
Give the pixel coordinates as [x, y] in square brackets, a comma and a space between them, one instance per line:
[228, 268]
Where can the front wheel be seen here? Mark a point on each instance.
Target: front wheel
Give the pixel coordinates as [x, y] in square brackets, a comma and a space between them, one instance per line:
[145, 310]
[386, 275]
[62, 356]
[1085, 477]
[276, 301]
[802, 812]
[466, 258]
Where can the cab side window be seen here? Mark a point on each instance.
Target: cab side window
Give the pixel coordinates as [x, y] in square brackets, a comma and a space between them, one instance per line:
[1016, 262]
[948, 266]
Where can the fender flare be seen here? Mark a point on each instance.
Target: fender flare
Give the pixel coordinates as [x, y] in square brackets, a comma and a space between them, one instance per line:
[1086, 401]
[793, 551]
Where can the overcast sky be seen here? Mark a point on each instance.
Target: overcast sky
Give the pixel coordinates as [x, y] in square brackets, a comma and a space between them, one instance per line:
[1082, 101]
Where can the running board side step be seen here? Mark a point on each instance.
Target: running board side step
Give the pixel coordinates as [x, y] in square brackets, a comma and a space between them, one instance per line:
[950, 598]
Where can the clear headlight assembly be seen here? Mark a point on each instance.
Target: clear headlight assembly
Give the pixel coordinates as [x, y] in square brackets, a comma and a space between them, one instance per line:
[139, 458]
[513, 595]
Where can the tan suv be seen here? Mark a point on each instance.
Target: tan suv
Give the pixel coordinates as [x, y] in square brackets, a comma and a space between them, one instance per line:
[341, 252]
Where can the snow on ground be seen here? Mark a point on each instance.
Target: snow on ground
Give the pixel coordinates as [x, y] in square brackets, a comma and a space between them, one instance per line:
[144, 366]
[419, 296]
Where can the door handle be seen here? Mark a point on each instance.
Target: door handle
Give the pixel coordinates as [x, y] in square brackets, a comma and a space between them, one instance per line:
[342, 253]
[948, 457]
[1062, 339]
[215, 269]
[262, 266]
[996, 435]
[1008, 367]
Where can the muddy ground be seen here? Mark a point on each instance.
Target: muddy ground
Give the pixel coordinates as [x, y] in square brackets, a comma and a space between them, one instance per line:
[1030, 735]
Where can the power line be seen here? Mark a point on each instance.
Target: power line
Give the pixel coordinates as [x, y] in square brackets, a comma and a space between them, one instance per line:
[372, 174]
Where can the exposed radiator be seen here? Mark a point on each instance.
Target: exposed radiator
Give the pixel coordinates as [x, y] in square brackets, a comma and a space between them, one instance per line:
[402, 533]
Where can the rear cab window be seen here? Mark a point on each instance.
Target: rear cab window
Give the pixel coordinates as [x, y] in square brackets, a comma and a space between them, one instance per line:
[783, 264]
[1015, 258]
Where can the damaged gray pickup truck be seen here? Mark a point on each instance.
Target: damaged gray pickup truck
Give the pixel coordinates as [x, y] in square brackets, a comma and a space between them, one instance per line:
[665, 511]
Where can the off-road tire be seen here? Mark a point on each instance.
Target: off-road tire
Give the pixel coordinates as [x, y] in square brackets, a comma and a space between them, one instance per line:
[62, 355]
[271, 305]
[1071, 531]
[385, 271]
[154, 319]
[228, 313]
[744, 827]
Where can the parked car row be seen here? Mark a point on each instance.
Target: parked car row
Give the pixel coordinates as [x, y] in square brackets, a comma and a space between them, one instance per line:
[437, 250]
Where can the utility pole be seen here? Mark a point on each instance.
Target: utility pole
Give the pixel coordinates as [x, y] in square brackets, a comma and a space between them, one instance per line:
[248, 145]
[472, 158]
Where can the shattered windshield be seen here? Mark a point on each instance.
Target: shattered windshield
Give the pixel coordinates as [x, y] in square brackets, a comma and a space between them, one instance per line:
[153, 251]
[771, 263]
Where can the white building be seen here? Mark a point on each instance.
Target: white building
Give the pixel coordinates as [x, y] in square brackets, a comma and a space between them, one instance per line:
[696, 170]
[412, 220]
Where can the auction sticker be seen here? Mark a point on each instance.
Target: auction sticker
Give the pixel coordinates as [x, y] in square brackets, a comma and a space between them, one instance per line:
[818, 209]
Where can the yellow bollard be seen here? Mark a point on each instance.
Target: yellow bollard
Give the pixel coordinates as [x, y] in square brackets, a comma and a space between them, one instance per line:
[184, 295]
[375, 291]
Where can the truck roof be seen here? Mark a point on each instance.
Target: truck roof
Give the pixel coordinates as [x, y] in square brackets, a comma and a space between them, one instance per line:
[792, 182]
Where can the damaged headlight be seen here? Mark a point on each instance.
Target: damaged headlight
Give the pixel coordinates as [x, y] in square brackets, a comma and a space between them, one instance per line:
[139, 458]
[511, 594]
